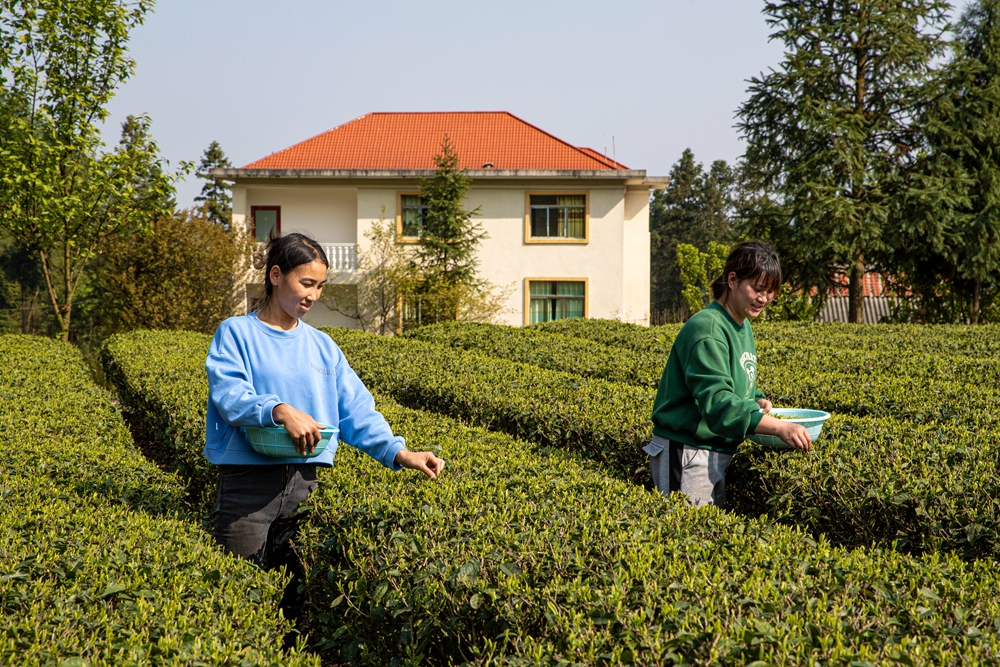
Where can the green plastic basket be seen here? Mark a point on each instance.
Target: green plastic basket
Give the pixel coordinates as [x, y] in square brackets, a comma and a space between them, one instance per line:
[812, 420]
[274, 441]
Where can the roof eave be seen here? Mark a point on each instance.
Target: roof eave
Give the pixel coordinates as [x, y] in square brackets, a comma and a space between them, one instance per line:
[606, 174]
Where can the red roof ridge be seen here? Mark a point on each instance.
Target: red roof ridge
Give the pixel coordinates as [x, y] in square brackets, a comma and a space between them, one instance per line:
[614, 164]
[305, 151]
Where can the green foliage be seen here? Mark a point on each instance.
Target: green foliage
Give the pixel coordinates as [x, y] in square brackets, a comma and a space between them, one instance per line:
[792, 306]
[21, 283]
[908, 456]
[61, 194]
[606, 421]
[446, 252]
[216, 194]
[101, 565]
[520, 556]
[160, 380]
[546, 350]
[951, 244]
[184, 272]
[698, 270]
[695, 208]
[830, 133]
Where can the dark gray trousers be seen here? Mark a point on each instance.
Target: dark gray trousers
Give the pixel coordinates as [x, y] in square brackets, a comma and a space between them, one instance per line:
[253, 511]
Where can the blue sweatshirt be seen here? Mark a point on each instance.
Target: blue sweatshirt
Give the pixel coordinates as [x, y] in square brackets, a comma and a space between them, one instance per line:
[253, 367]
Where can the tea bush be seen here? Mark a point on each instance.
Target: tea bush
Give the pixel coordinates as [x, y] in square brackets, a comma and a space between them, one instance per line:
[546, 350]
[166, 407]
[888, 469]
[100, 564]
[606, 421]
[521, 556]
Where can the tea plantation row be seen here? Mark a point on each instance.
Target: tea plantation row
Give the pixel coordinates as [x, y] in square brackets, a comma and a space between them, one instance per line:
[523, 556]
[100, 566]
[926, 480]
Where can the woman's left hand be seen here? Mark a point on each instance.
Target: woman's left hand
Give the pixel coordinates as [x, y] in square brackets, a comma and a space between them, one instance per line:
[425, 462]
[765, 405]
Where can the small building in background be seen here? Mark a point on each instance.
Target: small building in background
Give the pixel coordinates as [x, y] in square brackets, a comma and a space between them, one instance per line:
[567, 226]
[877, 305]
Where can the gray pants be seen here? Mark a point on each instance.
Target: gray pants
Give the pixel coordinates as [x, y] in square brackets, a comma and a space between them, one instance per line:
[253, 511]
[699, 473]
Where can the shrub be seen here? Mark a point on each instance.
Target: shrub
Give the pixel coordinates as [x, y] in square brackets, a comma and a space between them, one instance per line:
[161, 382]
[891, 466]
[546, 350]
[101, 566]
[518, 556]
[606, 421]
[186, 272]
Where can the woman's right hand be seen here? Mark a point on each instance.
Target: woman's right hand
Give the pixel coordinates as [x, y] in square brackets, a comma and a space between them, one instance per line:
[303, 429]
[793, 435]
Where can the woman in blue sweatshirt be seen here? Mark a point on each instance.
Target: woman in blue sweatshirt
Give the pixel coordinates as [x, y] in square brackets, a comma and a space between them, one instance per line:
[270, 368]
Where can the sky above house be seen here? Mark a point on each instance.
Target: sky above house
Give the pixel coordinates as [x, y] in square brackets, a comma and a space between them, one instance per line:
[641, 80]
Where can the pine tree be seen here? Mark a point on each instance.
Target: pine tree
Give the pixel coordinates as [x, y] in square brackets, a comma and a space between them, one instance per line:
[215, 193]
[449, 239]
[831, 131]
[694, 209]
[977, 116]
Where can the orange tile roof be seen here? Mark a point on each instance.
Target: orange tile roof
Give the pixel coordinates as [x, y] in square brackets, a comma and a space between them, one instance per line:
[411, 140]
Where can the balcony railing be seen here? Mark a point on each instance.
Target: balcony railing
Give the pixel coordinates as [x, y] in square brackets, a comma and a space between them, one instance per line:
[343, 257]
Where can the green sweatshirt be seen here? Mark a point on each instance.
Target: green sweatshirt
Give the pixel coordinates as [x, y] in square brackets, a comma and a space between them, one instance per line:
[708, 393]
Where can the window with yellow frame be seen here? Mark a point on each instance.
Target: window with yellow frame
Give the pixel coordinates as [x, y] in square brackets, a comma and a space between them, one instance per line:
[410, 214]
[550, 299]
[557, 217]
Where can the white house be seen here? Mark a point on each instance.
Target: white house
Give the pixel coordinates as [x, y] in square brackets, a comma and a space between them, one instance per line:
[567, 226]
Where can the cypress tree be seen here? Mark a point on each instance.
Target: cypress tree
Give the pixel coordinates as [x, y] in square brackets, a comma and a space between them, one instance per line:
[215, 194]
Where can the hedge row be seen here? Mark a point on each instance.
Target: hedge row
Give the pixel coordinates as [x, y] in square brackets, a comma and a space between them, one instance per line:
[981, 340]
[546, 350]
[926, 482]
[605, 421]
[521, 557]
[150, 400]
[100, 566]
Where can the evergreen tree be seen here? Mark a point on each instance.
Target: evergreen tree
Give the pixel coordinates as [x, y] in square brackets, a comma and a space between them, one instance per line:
[216, 193]
[976, 115]
[694, 209]
[830, 133]
[446, 253]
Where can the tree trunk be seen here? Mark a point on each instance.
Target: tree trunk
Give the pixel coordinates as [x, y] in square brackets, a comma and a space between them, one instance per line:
[26, 305]
[975, 301]
[855, 291]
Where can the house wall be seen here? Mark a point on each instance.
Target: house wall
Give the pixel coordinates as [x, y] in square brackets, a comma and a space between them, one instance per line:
[328, 214]
[615, 261]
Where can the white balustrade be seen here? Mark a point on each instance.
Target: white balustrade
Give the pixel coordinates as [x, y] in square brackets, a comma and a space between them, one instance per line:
[343, 257]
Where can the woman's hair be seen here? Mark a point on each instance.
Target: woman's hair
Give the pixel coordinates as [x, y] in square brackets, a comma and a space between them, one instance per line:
[754, 261]
[287, 252]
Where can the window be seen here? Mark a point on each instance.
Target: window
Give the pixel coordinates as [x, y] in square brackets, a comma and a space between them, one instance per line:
[557, 218]
[265, 218]
[555, 300]
[410, 222]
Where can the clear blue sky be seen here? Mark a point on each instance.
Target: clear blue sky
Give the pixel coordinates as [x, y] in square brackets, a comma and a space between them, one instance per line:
[257, 76]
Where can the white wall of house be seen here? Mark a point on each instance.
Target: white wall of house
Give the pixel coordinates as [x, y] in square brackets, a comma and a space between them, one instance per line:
[615, 261]
[328, 214]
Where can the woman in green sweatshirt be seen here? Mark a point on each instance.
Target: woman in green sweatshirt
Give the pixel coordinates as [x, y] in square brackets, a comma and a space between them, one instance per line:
[708, 402]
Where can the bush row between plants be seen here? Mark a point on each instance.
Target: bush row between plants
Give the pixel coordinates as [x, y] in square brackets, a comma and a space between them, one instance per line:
[887, 469]
[517, 556]
[100, 565]
[546, 350]
[606, 421]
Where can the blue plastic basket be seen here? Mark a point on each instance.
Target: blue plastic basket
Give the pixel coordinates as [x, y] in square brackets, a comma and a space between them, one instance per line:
[812, 420]
[275, 441]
